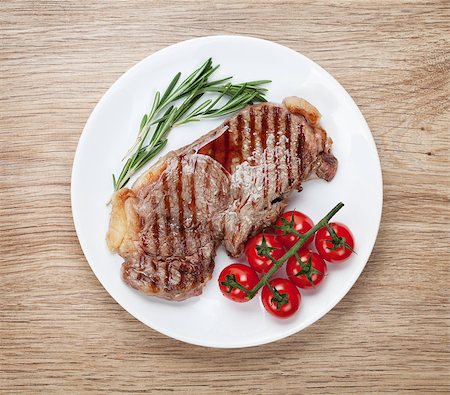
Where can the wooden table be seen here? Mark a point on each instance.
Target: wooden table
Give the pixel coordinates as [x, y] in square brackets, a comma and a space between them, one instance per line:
[61, 332]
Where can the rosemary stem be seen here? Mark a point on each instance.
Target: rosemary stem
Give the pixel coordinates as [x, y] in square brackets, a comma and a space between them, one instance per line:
[293, 250]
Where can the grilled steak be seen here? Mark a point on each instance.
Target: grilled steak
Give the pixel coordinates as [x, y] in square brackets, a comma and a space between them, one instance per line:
[226, 186]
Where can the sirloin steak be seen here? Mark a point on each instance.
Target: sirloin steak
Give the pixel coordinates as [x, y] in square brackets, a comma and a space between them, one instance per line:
[226, 186]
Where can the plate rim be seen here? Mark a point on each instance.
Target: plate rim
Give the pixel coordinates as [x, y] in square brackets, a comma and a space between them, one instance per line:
[187, 339]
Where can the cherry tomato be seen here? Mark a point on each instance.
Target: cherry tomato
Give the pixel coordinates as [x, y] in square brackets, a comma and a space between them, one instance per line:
[310, 272]
[302, 224]
[337, 250]
[242, 274]
[286, 300]
[261, 263]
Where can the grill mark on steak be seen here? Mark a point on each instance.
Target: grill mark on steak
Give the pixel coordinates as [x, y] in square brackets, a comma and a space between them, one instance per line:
[295, 140]
[239, 132]
[193, 206]
[252, 131]
[225, 148]
[263, 140]
[207, 182]
[300, 151]
[245, 141]
[155, 224]
[183, 277]
[207, 179]
[271, 170]
[167, 217]
[276, 116]
[196, 240]
[167, 270]
[181, 204]
[287, 127]
[162, 226]
[264, 115]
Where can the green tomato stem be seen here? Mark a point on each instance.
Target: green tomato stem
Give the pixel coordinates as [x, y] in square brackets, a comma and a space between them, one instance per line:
[293, 250]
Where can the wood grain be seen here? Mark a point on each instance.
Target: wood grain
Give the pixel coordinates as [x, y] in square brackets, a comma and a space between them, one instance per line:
[61, 332]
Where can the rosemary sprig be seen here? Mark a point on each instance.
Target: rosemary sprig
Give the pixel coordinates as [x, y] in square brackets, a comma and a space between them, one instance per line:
[171, 94]
[163, 115]
[238, 100]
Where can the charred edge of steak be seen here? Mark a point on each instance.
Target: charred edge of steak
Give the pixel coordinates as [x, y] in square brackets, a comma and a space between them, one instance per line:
[182, 279]
[327, 167]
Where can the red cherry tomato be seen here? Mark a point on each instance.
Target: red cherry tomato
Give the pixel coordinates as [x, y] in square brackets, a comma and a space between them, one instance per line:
[310, 272]
[286, 301]
[302, 224]
[334, 251]
[242, 274]
[261, 263]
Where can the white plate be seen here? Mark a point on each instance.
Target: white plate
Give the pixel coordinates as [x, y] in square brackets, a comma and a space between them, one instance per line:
[210, 319]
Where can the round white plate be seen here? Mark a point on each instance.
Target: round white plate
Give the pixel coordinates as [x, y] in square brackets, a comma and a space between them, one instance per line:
[210, 319]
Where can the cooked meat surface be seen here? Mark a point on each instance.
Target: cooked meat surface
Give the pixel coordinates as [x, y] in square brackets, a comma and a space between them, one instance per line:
[226, 186]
